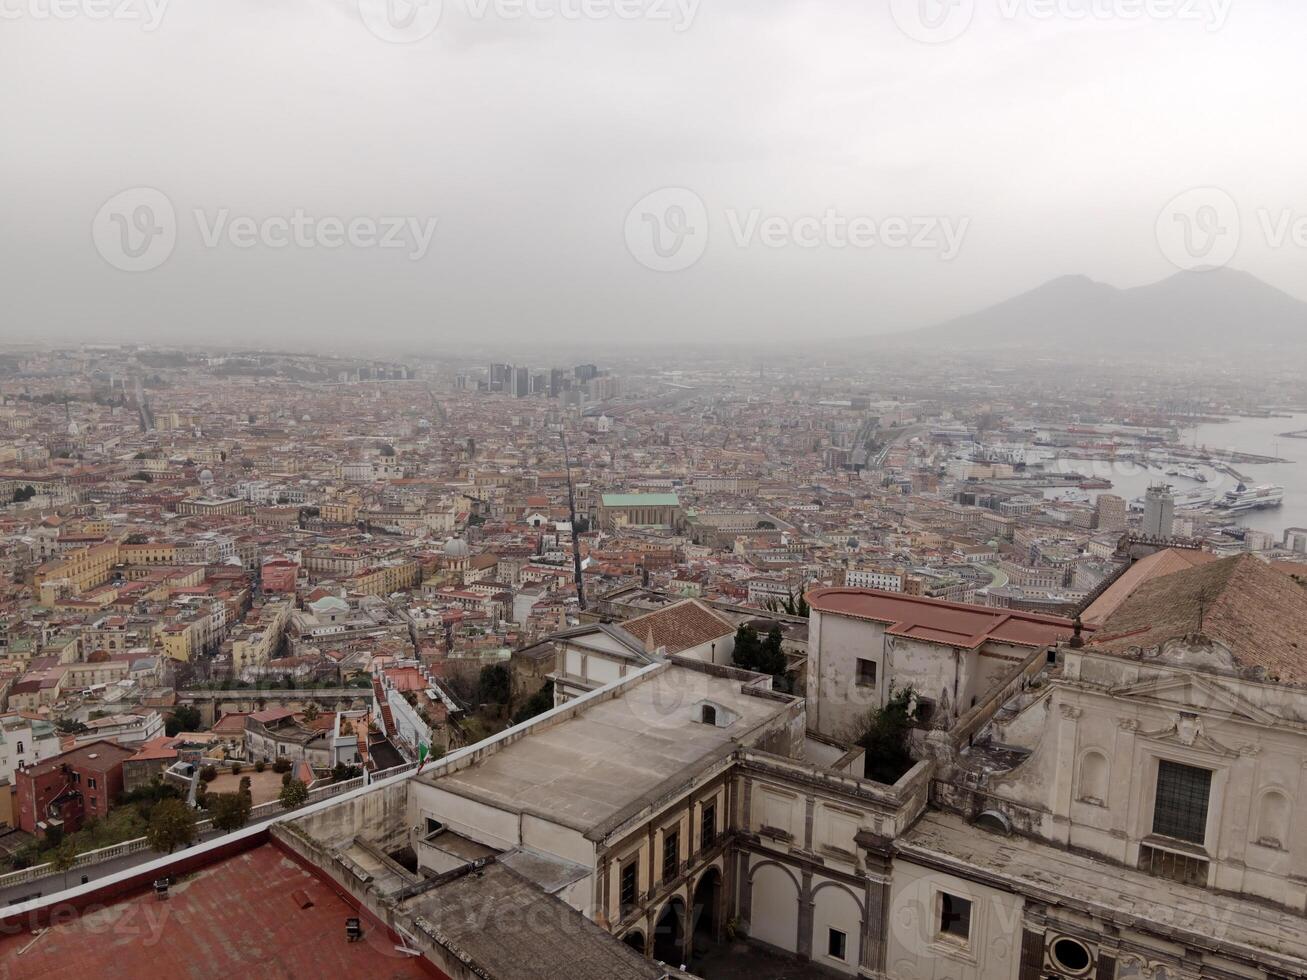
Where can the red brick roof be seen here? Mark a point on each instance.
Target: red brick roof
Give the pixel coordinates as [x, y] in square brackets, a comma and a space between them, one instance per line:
[936, 621]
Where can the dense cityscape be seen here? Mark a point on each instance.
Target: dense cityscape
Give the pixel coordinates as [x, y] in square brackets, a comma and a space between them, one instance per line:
[243, 584]
[653, 490]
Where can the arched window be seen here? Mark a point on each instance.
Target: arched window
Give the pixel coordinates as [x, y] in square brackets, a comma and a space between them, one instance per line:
[709, 716]
[1093, 778]
[1273, 818]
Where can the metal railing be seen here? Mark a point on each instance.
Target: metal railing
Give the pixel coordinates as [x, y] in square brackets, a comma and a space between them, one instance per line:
[137, 844]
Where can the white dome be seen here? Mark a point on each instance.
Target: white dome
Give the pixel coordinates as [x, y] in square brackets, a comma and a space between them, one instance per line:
[456, 548]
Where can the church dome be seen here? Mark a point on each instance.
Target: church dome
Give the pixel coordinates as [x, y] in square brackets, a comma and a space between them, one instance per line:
[456, 548]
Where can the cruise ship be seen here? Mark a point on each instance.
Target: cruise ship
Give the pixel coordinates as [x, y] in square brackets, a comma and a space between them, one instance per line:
[1252, 498]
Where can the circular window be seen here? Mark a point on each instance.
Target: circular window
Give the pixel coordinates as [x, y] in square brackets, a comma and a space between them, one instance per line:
[1071, 955]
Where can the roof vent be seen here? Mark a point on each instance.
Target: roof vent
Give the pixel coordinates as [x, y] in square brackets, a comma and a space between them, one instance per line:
[996, 821]
[94, 755]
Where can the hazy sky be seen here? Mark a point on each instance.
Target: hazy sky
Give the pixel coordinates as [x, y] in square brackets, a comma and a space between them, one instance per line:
[835, 168]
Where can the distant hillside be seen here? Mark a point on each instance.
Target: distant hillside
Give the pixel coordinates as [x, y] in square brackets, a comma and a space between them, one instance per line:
[1196, 309]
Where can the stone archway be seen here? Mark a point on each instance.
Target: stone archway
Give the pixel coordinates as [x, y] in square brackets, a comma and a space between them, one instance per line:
[635, 939]
[705, 908]
[669, 933]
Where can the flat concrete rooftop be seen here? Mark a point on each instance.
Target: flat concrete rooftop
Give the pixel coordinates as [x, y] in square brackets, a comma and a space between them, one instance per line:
[1112, 892]
[585, 770]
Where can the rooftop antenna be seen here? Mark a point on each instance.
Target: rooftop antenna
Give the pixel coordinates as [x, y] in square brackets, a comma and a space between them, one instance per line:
[571, 513]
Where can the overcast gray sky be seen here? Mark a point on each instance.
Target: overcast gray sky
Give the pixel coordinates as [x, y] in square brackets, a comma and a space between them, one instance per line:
[230, 169]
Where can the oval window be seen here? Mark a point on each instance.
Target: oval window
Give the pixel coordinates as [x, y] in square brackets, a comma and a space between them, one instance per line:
[1071, 955]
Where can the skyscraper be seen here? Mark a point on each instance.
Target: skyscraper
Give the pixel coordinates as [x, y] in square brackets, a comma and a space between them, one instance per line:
[521, 382]
[1159, 512]
[1109, 512]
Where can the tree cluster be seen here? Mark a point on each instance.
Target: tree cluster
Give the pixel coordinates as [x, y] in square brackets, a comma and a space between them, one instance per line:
[884, 735]
[183, 718]
[172, 825]
[762, 655]
[536, 704]
[293, 794]
[495, 685]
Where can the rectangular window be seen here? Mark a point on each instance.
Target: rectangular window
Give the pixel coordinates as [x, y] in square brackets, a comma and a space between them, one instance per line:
[90, 782]
[1180, 807]
[671, 854]
[708, 826]
[866, 673]
[630, 885]
[954, 917]
[836, 944]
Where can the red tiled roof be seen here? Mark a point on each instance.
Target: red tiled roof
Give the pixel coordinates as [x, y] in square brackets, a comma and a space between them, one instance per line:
[1160, 563]
[679, 627]
[241, 916]
[1256, 611]
[155, 748]
[101, 755]
[934, 620]
[271, 714]
[231, 722]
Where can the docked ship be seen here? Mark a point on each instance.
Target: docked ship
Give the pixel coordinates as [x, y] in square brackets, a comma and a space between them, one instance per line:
[1243, 497]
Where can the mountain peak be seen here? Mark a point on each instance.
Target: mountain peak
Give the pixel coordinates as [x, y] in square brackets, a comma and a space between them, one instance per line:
[1206, 307]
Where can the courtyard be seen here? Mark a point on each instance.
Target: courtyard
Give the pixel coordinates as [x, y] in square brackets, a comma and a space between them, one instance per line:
[742, 961]
[264, 786]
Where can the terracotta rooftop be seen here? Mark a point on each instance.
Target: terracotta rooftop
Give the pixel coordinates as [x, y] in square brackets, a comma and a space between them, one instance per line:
[1256, 611]
[1160, 563]
[241, 916]
[679, 627]
[101, 756]
[232, 722]
[156, 748]
[270, 715]
[937, 621]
